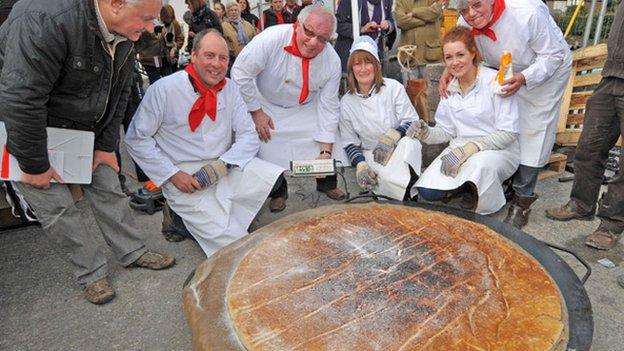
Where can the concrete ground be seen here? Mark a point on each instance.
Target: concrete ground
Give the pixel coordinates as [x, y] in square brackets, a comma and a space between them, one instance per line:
[42, 308]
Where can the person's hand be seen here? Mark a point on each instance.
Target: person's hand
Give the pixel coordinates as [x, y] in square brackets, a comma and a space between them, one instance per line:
[41, 181]
[445, 80]
[384, 25]
[185, 182]
[191, 34]
[369, 27]
[105, 158]
[418, 130]
[385, 146]
[324, 154]
[365, 176]
[456, 157]
[513, 84]
[263, 123]
[210, 173]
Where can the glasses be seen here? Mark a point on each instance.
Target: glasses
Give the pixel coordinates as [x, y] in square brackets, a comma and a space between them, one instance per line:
[310, 34]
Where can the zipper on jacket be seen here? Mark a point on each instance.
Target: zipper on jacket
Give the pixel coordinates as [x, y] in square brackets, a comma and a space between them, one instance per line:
[110, 81]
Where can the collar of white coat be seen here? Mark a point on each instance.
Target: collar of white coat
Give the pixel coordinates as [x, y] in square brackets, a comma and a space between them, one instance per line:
[454, 86]
[370, 92]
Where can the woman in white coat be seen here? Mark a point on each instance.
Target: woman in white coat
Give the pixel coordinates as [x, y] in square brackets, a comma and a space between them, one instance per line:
[375, 114]
[481, 126]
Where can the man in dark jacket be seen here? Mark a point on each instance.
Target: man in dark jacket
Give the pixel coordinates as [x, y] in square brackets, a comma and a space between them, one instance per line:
[277, 14]
[68, 64]
[603, 125]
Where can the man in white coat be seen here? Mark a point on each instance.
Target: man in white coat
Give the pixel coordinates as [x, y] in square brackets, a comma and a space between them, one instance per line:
[289, 77]
[541, 66]
[192, 135]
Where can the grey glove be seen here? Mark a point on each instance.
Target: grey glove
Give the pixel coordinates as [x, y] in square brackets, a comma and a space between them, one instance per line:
[418, 130]
[366, 177]
[211, 173]
[456, 157]
[385, 146]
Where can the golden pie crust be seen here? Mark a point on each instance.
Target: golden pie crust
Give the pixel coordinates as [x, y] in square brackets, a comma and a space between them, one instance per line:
[393, 278]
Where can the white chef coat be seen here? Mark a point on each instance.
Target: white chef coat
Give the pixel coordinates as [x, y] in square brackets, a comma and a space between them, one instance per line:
[271, 78]
[541, 54]
[478, 113]
[364, 120]
[160, 140]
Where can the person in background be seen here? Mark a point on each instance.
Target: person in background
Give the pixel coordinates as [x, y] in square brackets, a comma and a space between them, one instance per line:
[202, 17]
[375, 114]
[541, 69]
[174, 37]
[289, 77]
[237, 31]
[219, 9]
[375, 17]
[246, 13]
[55, 57]
[292, 6]
[153, 53]
[304, 3]
[277, 14]
[602, 126]
[481, 126]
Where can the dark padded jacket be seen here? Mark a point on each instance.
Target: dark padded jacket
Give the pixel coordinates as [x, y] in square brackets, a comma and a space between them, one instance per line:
[57, 72]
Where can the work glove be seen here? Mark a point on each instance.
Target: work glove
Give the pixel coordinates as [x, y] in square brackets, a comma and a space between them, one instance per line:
[456, 157]
[211, 173]
[366, 177]
[385, 146]
[418, 130]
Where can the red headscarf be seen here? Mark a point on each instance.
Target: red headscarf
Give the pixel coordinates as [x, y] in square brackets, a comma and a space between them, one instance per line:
[206, 103]
[305, 64]
[497, 10]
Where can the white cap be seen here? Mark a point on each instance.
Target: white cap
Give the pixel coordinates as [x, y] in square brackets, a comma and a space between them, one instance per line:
[366, 43]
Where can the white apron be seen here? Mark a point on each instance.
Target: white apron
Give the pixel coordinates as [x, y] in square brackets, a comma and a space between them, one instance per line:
[485, 169]
[293, 136]
[394, 177]
[222, 213]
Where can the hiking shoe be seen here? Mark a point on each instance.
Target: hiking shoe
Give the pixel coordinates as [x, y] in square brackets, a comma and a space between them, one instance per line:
[99, 292]
[277, 204]
[335, 194]
[606, 235]
[153, 260]
[568, 212]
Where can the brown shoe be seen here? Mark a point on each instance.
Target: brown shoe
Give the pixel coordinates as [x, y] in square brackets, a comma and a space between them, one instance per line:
[277, 204]
[335, 194]
[153, 260]
[519, 210]
[99, 292]
[567, 212]
[605, 236]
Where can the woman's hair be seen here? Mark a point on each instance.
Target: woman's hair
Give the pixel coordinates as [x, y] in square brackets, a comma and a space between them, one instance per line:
[462, 34]
[246, 7]
[362, 56]
[231, 3]
[218, 4]
[197, 4]
[167, 14]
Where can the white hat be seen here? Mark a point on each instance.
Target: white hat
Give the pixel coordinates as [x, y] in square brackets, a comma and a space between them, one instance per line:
[366, 43]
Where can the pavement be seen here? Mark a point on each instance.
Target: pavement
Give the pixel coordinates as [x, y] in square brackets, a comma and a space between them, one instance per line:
[42, 308]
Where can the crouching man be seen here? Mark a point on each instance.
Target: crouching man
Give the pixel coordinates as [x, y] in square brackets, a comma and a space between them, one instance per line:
[193, 136]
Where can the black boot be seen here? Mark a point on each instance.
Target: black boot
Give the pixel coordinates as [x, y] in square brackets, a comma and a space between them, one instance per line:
[519, 210]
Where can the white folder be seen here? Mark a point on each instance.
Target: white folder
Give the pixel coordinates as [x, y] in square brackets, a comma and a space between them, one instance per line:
[70, 153]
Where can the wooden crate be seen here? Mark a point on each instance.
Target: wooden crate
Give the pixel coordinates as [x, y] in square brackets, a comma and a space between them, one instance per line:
[555, 167]
[586, 74]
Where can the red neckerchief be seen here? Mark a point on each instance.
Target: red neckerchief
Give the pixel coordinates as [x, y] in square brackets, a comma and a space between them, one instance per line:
[206, 103]
[305, 64]
[497, 11]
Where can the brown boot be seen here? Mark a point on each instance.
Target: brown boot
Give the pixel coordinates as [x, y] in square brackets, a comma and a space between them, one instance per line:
[99, 292]
[567, 212]
[277, 204]
[519, 210]
[417, 91]
[335, 194]
[153, 260]
[606, 235]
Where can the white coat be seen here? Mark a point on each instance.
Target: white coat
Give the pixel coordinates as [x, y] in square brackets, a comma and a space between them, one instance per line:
[271, 78]
[541, 54]
[478, 113]
[159, 139]
[364, 120]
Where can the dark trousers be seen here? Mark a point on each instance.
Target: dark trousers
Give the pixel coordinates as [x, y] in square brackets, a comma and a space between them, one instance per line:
[603, 125]
[280, 189]
[155, 73]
